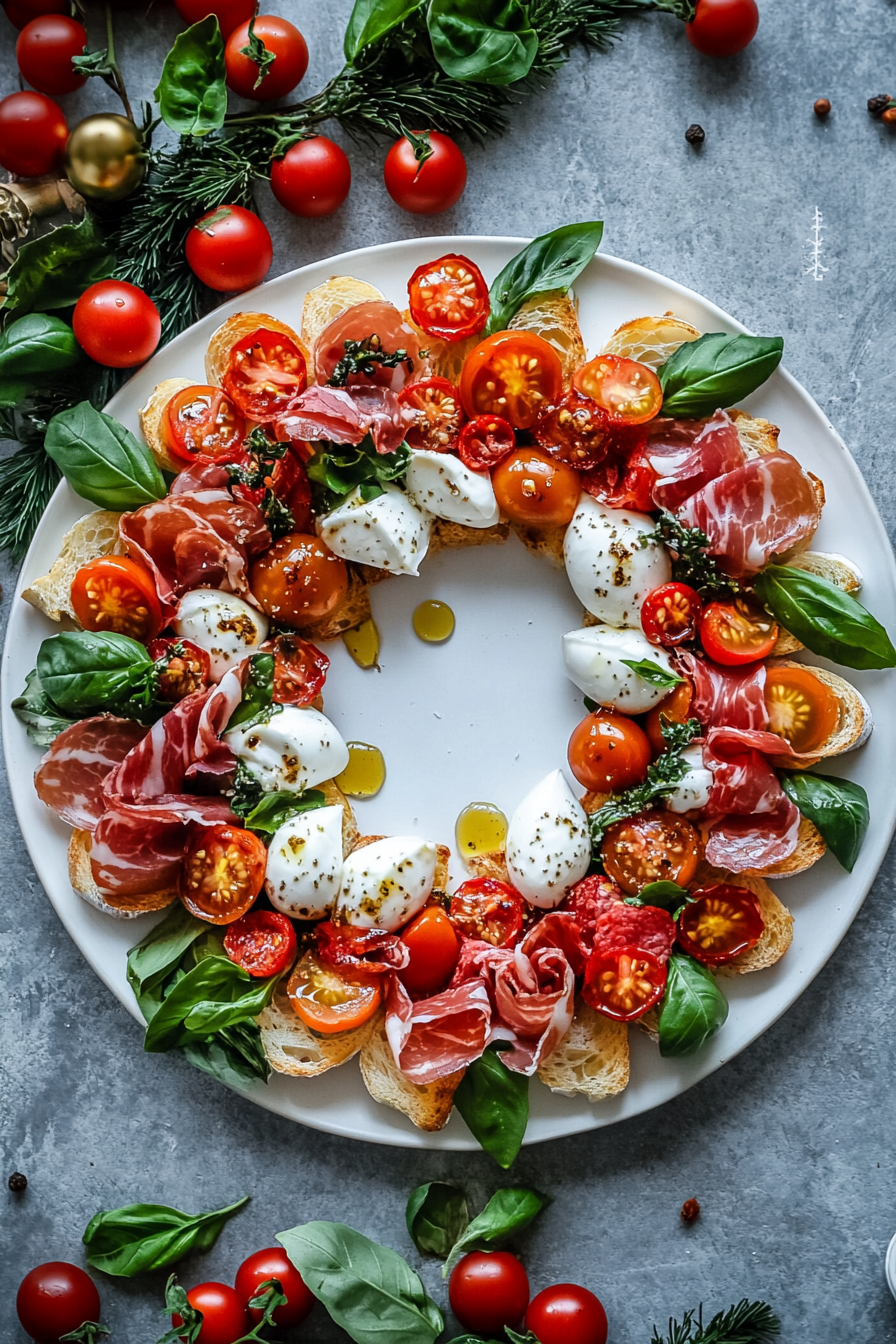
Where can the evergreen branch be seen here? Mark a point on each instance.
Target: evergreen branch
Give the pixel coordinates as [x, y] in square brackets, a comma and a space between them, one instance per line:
[745, 1323]
[27, 480]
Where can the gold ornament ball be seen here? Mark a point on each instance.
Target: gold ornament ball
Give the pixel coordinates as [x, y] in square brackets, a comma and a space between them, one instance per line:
[104, 157]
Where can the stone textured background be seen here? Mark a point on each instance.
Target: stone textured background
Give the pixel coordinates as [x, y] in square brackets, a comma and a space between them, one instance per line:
[790, 1148]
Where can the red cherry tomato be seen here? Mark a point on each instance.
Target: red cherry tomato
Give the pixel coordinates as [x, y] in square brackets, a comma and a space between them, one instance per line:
[801, 708]
[449, 298]
[433, 947]
[187, 671]
[623, 482]
[54, 1299]
[300, 669]
[652, 847]
[534, 489]
[116, 324]
[45, 49]
[280, 76]
[671, 614]
[115, 593]
[274, 1263]
[723, 27]
[489, 910]
[432, 183]
[623, 983]
[33, 132]
[264, 371]
[567, 1314]
[738, 632]
[223, 872]
[574, 430]
[229, 249]
[488, 1290]
[291, 485]
[224, 1318]
[722, 922]
[484, 442]
[229, 13]
[514, 374]
[629, 393]
[608, 752]
[262, 943]
[440, 415]
[202, 420]
[20, 12]
[312, 179]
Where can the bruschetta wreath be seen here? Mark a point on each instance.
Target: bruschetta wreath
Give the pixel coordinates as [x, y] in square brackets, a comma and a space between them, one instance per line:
[183, 713]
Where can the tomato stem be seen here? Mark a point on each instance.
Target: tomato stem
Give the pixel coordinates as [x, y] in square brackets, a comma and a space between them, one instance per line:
[118, 78]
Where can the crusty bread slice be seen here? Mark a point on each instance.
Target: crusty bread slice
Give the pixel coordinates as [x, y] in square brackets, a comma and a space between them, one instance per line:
[492, 864]
[853, 729]
[554, 317]
[120, 907]
[234, 329]
[92, 536]
[592, 1060]
[427, 1105]
[777, 935]
[650, 340]
[445, 358]
[327, 301]
[810, 848]
[293, 1048]
[352, 611]
[448, 536]
[837, 569]
[546, 543]
[757, 436]
[151, 421]
[334, 795]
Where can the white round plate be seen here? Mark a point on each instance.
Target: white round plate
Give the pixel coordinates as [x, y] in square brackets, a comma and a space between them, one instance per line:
[487, 715]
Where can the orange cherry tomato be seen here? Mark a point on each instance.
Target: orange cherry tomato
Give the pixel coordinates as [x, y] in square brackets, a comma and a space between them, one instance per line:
[801, 708]
[676, 707]
[222, 873]
[608, 752]
[654, 847]
[514, 374]
[433, 947]
[738, 632]
[623, 983]
[118, 594]
[330, 1000]
[534, 489]
[264, 371]
[202, 420]
[628, 392]
[440, 415]
[262, 942]
[722, 922]
[449, 298]
[671, 614]
[299, 580]
[187, 667]
[489, 910]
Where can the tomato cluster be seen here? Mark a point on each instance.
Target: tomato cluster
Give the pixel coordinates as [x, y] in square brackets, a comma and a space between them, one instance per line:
[489, 1290]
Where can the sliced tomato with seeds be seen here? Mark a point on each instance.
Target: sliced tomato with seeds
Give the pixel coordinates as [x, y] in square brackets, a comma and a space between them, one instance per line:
[484, 442]
[738, 632]
[449, 298]
[676, 708]
[514, 374]
[623, 983]
[623, 482]
[330, 1000]
[290, 483]
[720, 923]
[671, 614]
[652, 847]
[223, 872]
[262, 943]
[187, 668]
[488, 909]
[265, 369]
[202, 420]
[118, 594]
[300, 669]
[629, 392]
[801, 708]
[436, 403]
[574, 430]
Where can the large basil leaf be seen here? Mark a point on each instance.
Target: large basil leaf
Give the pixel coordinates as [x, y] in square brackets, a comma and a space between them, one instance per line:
[483, 41]
[837, 807]
[507, 1212]
[716, 371]
[258, 693]
[552, 262]
[82, 670]
[693, 1007]
[191, 94]
[368, 1289]
[139, 1238]
[275, 808]
[158, 954]
[827, 620]
[53, 271]
[102, 461]
[436, 1216]
[42, 720]
[494, 1102]
[214, 994]
[37, 344]
[372, 19]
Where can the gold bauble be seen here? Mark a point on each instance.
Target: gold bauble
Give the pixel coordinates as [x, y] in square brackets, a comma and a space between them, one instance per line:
[104, 157]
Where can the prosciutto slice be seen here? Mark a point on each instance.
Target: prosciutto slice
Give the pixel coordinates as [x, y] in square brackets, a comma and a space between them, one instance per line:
[757, 511]
[726, 697]
[758, 823]
[437, 1036]
[72, 773]
[346, 415]
[739, 843]
[534, 996]
[377, 318]
[688, 454]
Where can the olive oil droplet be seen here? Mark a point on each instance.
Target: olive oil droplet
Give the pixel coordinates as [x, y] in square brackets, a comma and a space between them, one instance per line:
[365, 773]
[363, 643]
[433, 622]
[480, 828]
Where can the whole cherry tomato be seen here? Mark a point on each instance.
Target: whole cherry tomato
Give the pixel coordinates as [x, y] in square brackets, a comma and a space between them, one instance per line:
[449, 298]
[33, 132]
[723, 27]
[20, 12]
[738, 632]
[484, 442]
[436, 402]
[328, 999]
[433, 947]
[263, 942]
[608, 752]
[567, 1314]
[229, 249]
[670, 614]
[116, 324]
[274, 1263]
[313, 178]
[652, 847]
[801, 708]
[299, 580]
[202, 420]
[265, 80]
[223, 872]
[676, 707]
[425, 174]
[489, 910]
[488, 1290]
[264, 371]
[623, 983]
[45, 49]
[534, 489]
[224, 1318]
[721, 922]
[115, 593]
[54, 1299]
[514, 374]
[229, 13]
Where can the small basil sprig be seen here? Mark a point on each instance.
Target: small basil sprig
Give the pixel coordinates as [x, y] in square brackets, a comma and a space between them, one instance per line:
[483, 41]
[139, 1238]
[371, 20]
[552, 262]
[53, 271]
[664, 895]
[716, 371]
[82, 671]
[822, 616]
[42, 719]
[214, 995]
[192, 94]
[652, 673]
[102, 461]
[837, 807]
[257, 702]
[436, 1216]
[336, 470]
[268, 815]
[693, 1007]
[663, 777]
[494, 1102]
[88, 1332]
[507, 1212]
[33, 346]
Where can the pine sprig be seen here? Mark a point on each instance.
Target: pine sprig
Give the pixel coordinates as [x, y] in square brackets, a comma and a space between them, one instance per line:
[745, 1323]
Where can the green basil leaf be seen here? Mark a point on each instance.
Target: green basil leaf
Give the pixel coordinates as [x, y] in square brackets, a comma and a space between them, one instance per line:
[276, 808]
[42, 720]
[368, 1289]
[53, 271]
[693, 1007]
[13, 391]
[436, 1216]
[483, 41]
[192, 94]
[652, 672]
[139, 1238]
[507, 1212]
[234, 1055]
[468, 1339]
[494, 1102]
[159, 953]
[516, 1338]
[665, 895]
[83, 670]
[837, 807]
[102, 461]
[37, 344]
[827, 620]
[258, 694]
[716, 371]
[371, 20]
[552, 262]
[215, 994]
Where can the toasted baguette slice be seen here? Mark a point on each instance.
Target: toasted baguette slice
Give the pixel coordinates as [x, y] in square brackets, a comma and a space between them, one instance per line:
[293, 1048]
[650, 340]
[554, 317]
[855, 724]
[352, 611]
[151, 421]
[448, 536]
[328, 300]
[91, 537]
[546, 543]
[350, 834]
[492, 864]
[757, 436]
[427, 1105]
[777, 934]
[810, 848]
[120, 907]
[828, 565]
[445, 358]
[234, 329]
[592, 1059]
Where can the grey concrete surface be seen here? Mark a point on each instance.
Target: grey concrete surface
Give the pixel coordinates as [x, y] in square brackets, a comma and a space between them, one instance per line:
[790, 1148]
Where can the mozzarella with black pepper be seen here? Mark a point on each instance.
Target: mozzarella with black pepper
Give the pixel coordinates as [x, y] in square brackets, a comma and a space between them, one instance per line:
[609, 569]
[596, 661]
[444, 487]
[389, 532]
[304, 871]
[385, 884]
[294, 750]
[692, 791]
[548, 846]
[221, 623]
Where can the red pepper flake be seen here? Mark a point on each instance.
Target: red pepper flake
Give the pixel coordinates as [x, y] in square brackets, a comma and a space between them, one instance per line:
[690, 1211]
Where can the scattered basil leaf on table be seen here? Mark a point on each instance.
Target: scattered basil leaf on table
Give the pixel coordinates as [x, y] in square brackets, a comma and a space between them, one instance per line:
[822, 616]
[715, 371]
[494, 1102]
[436, 1216]
[693, 1007]
[371, 20]
[551, 262]
[83, 670]
[256, 704]
[651, 672]
[837, 807]
[482, 41]
[270, 813]
[214, 994]
[665, 895]
[102, 461]
[42, 719]
[192, 94]
[53, 271]
[139, 1238]
[507, 1212]
[37, 344]
[159, 953]
[368, 1289]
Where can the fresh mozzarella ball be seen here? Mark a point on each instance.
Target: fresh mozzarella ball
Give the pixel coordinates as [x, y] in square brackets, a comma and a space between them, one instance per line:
[610, 571]
[548, 846]
[296, 749]
[443, 486]
[389, 532]
[593, 660]
[304, 870]
[692, 792]
[385, 884]
[222, 624]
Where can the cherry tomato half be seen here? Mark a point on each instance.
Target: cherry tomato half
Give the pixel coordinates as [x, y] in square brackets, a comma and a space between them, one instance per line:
[433, 947]
[54, 1299]
[534, 489]
[186, 671]
[431, 183]
[312, 179]
[608, 752]
[229, 13]
[671, 614]
[116, 324]
[224, 1318]
[723, 27]
[623, 482]
[676, 707]
[274, 1263]
[484, 442]
[45, 49]
[202, 419]
[567, 1314]
[33, 132]
[738, 632]
[330, 1000]
[488, 1290]
[628, 392]
[449, 298]
[299, 580]
[262, 942]
[574, 430]
[20, 12]
[653, 847]
[436, 403]
[487, 909]
[623, 983]
[277, 78]
[229, 249]
[801, 708]
[118, 594]
[722, 922]
[264, 370]
[300, 669]
[514, 374]
[223, 872]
